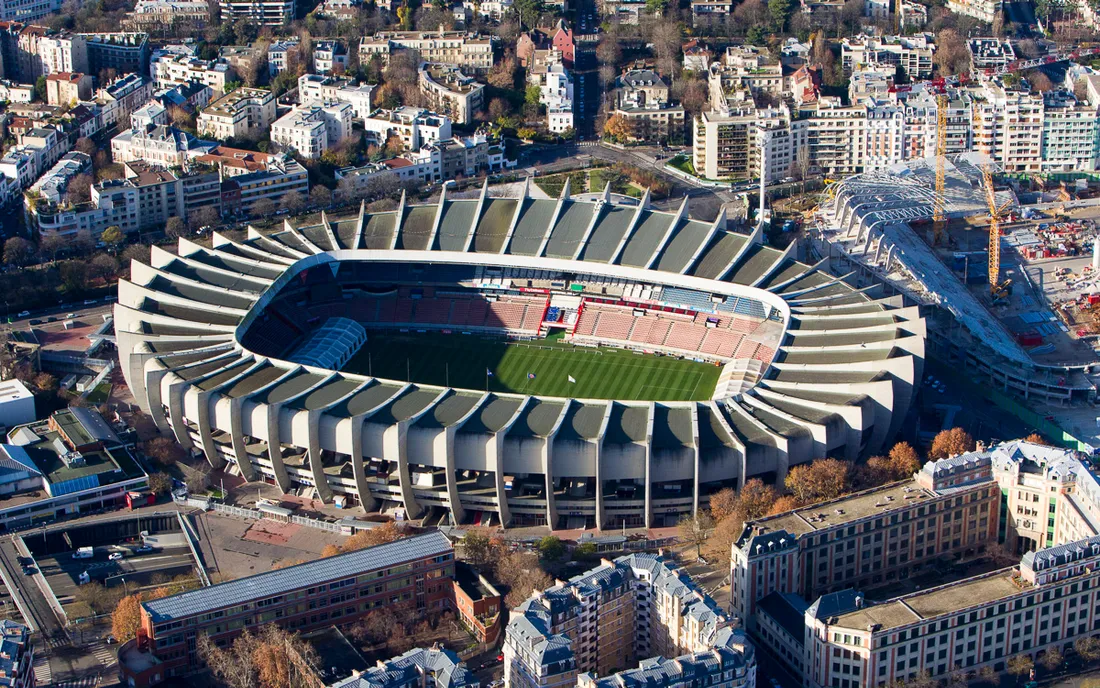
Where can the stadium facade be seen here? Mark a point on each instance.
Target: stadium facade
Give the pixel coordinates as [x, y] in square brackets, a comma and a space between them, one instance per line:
[235, 349]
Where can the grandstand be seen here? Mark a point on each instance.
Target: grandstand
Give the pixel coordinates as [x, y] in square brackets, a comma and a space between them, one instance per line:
[670, 358]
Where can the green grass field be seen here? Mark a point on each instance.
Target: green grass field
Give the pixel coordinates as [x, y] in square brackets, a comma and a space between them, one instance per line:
[461, 360]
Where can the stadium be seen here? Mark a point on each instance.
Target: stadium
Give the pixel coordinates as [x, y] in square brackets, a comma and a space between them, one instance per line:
[571, 363]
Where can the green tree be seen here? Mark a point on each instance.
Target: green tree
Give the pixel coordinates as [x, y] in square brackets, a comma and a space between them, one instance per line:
[656, 6]
[780, 12]
[40, 88]
[551, 548]
[532, 96]
[160, 483]
[757, 35]
[113, 236]
[529, 12]
[585, 551]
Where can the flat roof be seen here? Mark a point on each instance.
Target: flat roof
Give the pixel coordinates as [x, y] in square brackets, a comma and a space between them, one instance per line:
[933, 603]
[271, 583]
[881, 500]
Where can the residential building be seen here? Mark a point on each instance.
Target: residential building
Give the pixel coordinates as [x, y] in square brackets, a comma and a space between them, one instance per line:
[746, 67]
[16, 93]
[606, 619]
[529, 43]
[722, 140]
[243, 112]
[264, 12]
[562, 41]
[63, 52]
[248, 177]
[27, 10]
[912, 53]
[468, 51]
[16, 403]
[170, 69]
[869, 538]
[491, 9]
[982, 10]
[1007, 126]
[624, 11]
[122, 52]
[641, 98]
[728, 663]
[190, 97]
[66, 88]
[122, 96]
[989, 53]
[710, 11]
[313, 89]
[158, 144]
[555, 83]
[479, 605]
[1071, 133]
[418, 668]
[415, 126]
[330, 57]
[35, 152]
[451, 93]
[697, 56]
[281, 55]
[162, 15]
[339, 9]
[413, 573]
[16, 655]
[310, 130]
[51, 187]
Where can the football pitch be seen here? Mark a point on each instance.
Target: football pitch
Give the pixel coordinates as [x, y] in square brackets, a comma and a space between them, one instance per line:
[461, 360]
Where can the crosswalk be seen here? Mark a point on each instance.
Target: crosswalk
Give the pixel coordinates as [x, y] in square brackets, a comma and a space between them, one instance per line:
[104, 654]
[42, 674]
[82, 682]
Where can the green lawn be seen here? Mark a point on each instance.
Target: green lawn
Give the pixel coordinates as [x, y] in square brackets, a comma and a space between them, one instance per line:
[461, 361]
[100, 394]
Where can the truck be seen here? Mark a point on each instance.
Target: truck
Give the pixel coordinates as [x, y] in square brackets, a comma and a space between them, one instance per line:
[84, 553]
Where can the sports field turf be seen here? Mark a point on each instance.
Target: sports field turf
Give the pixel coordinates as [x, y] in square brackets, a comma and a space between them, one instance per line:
[459, 360]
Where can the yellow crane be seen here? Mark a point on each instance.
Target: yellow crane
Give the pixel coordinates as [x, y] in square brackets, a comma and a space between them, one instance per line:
[996, 288]
[939, 221]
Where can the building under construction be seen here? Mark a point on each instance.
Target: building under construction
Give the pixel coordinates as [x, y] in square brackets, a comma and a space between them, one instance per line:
[880, 228]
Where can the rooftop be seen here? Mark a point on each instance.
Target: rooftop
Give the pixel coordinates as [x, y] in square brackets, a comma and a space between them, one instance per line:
[880, 500]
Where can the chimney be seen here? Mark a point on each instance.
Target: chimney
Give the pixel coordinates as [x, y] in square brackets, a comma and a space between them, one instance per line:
[859, 601]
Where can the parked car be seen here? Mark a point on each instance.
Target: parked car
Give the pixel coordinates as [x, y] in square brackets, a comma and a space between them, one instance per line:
[90, 302]
[23, 314]
[110, 640]
[144, 549]
[115, 556]
[29, 570]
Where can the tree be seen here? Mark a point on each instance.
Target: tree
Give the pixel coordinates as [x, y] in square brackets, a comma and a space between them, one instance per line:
[904, 460]
[292, 201]
[819, 481]
[79, 189]
[783, 505]
[51, 245]
[113, 236]
[1087, 648]
[695, 529]
[160, 483]
[952, 56]
[83, 242]
[695, 96]
[723, 504]
[387, 532]
[264, 207]
[320, 196]
[585, 551]
[1036, 438]
[138, 252]
[498, 108]
[86, 146]
[1019, 665]
[198, 478]
[1052, 659]
[45, 382]
[284, 660]
[207, 216]
[608, 51]
[951, 442]
[233, 666]
[529, 12]
[126, 618]
[551, 548]
[475, 547]
[503, 73]
[175, 228]
[164, 450]
[989, 676]
[616, 128]
[74, 274]
[104, 266]
[18, 251]
[779, 11]
[757, 499]
[40, 88]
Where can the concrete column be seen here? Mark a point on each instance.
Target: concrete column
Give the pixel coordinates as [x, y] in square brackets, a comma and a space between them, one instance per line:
[205, 433]
[395, 441]
[274, 447]
[175, 412]
[237, 431]
[547, 472]
[445, 442]
[494, 450]
[354, 425]
[316, 464]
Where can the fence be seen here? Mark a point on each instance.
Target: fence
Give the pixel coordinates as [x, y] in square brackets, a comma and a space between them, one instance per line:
[191, 539]
[241, 512]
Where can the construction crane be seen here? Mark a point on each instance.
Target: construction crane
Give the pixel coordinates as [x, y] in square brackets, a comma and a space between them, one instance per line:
[996, 288]
[939, 221]
[1051, 58]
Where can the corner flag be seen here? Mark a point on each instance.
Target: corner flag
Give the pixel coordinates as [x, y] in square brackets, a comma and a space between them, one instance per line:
[530, 376]
[488, 373]
[571, 378]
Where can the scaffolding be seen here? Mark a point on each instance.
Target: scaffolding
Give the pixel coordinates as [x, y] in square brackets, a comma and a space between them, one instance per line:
[939, 220]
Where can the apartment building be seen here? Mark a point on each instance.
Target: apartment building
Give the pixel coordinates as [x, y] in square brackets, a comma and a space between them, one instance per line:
[555, 84]
[433, 162]
[746, 67]
[418, 668]
[707, 11]
[35, 152]
[280, 55]
[912, 53]
[16, 93]
[1008, 127]
[982, 10]
[65, 88]
[415, 573]
[171, 70]
[641, 98]
[922, 123]
[159, 15]
[27, 10]
[63, 52]
[728, 663]
[722, 142]
[243, 112]
[249, 177]
[415, 126]
[330, 57]
[122, 96]
[868, 538]
[606, 619]
[52, 185]
[158, 144]
[264, 12]
[310, 130]
[450, 92]
[469, 51]
[883, 139]
[123, 52]
[989, 53]
[314, 88]
[16, 655]
[1070, 133]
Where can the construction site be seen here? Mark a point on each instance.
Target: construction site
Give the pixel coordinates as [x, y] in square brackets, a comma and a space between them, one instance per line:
[1010, 274]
